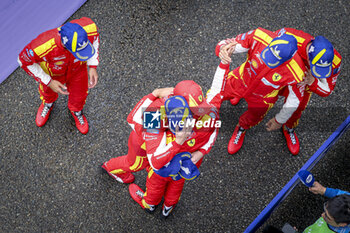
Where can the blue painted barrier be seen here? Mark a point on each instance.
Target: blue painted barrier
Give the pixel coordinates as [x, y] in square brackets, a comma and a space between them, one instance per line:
[287, 189]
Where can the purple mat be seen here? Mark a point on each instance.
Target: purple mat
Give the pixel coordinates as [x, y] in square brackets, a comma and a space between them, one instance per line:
[23, 20]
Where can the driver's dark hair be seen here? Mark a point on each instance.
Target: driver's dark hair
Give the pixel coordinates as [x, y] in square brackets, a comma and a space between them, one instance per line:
[339, 208]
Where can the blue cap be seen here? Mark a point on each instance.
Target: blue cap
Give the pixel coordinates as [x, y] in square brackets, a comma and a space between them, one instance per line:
[177, 111]
[306, 177]
[281, 49]
[188, 170]
[75, 39]
[321, 54]
[181, 166]
[170, 169]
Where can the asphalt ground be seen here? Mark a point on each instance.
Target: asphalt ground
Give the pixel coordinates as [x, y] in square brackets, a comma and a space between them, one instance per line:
[50, 177]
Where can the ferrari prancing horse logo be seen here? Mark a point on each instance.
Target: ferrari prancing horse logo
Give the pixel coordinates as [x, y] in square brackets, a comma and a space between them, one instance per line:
[276, 77]
[191, 142]
[200, 98]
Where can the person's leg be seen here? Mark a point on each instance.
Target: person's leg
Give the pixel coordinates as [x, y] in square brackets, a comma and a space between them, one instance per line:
[288, 128]
[48, 97]
[293, 121]
[77, 86]
[120, 168]
[233, 88]
[172, 196]
[254, 115]
[173, 192]
[155, 188]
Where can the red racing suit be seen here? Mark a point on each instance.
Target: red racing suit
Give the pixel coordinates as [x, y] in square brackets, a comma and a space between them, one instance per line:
[155, 148]
[254, 80]
[322, 87]
[45, 58]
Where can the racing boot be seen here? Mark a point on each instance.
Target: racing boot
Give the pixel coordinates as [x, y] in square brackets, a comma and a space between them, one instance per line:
[43, 113]
[137, 193]
[235, 100]
[124, 178]
[166, 211]
[80, 122]
[291, 139]
[236, 141]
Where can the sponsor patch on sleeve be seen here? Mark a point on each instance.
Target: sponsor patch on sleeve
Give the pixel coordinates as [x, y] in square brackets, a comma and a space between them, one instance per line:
[153, 131]
[281, 32]
[25, 57]
[212, 115]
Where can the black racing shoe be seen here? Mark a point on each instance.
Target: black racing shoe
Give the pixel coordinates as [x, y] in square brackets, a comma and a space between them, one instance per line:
[164, 214]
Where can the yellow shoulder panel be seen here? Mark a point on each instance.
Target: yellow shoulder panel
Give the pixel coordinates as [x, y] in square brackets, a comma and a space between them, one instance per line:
[336, 60]
[300, 40]
[263, 37]
[296, 70]
[91, 28]
[45, 48]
